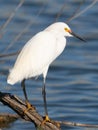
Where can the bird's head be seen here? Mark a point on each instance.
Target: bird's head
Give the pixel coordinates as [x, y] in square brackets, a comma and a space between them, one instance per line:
[70, 33]
[61, 28]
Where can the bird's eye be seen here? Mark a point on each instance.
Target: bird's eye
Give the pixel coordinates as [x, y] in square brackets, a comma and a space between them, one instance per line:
[66, 29]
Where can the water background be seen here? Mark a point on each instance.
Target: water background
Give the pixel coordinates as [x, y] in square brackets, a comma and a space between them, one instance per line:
[72, 81]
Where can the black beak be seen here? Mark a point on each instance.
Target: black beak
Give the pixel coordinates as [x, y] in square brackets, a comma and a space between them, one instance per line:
[75, 35]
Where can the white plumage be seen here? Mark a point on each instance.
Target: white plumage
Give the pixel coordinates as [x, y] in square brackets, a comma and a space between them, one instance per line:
[37, 55]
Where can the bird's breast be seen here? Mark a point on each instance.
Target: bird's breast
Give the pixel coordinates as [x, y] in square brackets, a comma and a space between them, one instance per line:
[60, 45]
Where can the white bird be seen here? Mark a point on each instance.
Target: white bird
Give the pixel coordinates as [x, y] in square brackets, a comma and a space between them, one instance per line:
[37, 55]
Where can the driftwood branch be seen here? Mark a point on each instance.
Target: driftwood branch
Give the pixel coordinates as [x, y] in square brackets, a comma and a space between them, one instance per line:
[32, 115]
[11, 15]
[6, 119]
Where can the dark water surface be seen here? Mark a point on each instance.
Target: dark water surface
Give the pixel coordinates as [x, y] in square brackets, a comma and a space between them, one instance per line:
[72, 81]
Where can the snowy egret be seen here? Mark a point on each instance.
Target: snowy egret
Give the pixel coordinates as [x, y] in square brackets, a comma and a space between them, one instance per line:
[37, 55]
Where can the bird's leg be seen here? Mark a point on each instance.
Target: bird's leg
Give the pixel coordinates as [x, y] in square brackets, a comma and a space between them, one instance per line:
[46, 119]
[29, 106]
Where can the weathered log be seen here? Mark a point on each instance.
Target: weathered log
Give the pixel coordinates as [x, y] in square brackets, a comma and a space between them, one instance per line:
[6, 119]
[32, 115]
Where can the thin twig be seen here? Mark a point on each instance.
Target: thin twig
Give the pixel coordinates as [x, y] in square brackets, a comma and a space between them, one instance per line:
[75, 12]
[9, 54]
[18, 36]
[83, 11]
[60, 12]
[11, 15]
[24, 30]
[76, 124]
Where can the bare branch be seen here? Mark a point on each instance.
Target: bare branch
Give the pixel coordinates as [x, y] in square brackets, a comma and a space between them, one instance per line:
[76, 124]
[11, 15]
[83, 11]
[24, 30]
[75, 13]
[60, 12]
[9, 54]
[32, 115]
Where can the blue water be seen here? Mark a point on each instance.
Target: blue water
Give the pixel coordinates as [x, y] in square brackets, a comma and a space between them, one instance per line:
[72, 81]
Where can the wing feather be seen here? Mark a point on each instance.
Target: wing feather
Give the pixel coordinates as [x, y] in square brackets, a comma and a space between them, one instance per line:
[37, 54]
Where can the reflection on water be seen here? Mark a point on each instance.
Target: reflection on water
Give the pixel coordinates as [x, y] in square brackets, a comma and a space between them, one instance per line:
[72, 80]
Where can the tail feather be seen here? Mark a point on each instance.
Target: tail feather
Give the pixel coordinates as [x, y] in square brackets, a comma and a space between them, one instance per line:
[9, 81]
[12, 78]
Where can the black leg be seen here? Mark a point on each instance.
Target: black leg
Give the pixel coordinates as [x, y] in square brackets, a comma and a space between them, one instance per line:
[24, 90]
[44, 98]
[29, 106]
[46, 119]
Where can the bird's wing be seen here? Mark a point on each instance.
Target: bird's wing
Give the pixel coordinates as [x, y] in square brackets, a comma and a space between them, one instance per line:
[38, 53]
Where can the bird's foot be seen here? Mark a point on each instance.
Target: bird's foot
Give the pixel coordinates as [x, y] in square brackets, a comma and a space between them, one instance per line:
[29, 107]
[46, 119]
